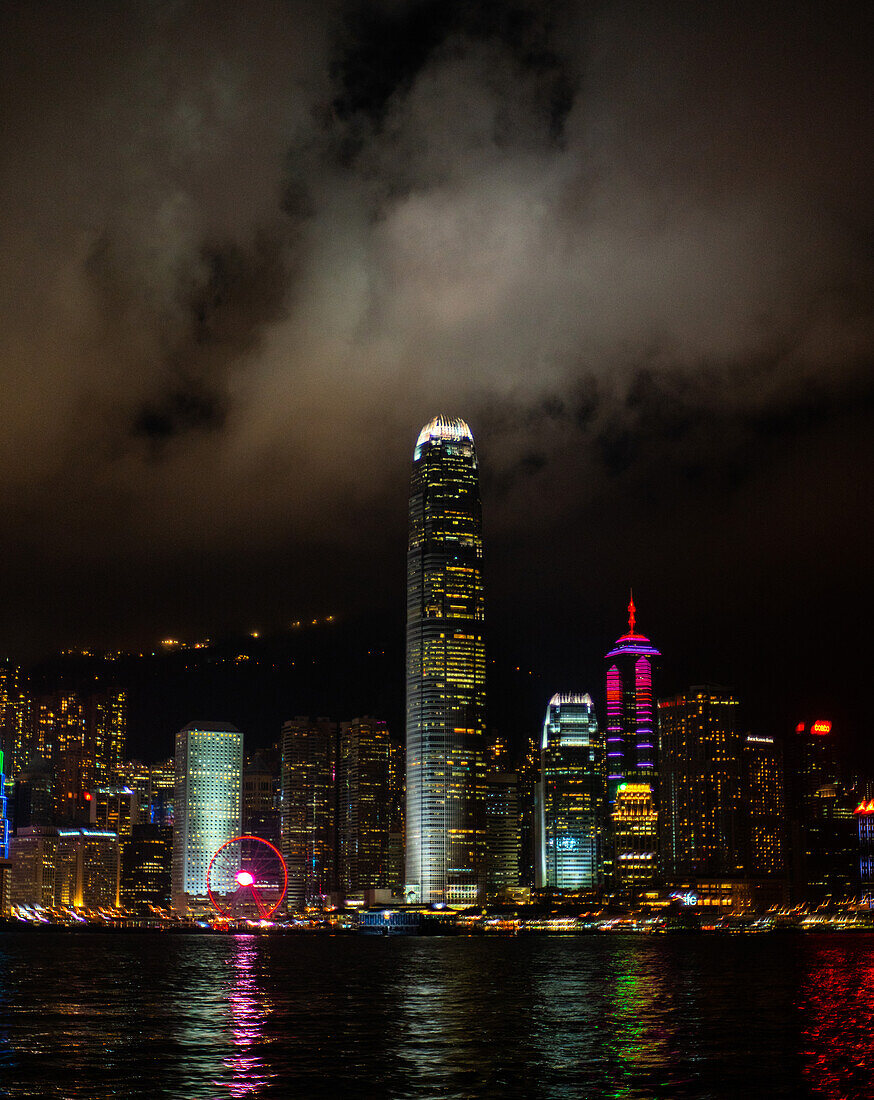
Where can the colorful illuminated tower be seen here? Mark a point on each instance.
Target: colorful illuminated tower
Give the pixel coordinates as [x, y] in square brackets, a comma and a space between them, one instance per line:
[631, 740]
[446, 668]
[632, 776]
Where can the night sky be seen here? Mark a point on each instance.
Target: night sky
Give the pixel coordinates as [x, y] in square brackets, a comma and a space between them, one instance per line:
[249, 249]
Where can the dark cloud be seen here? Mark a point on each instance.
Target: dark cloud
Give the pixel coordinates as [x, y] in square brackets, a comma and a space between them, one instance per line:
[248, 249]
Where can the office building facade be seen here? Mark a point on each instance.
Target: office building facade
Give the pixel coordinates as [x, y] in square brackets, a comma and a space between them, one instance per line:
[700, 751]
[308, 809]
[502, 833]
[445, 669]
[823, 824]
[147, 868]
[364, 805]
[209, 769]
[569, 797]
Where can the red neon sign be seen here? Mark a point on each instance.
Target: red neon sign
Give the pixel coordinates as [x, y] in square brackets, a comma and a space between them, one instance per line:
[821, 727]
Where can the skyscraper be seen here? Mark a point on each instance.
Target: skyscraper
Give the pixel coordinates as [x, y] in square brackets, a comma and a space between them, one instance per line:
[700, 783]
[209, 769]
[502, 835]
[764, 810]
[631, 758]
[569, 796]
[824, 840]
[365, 811]
[146, 867]
[308, 814]
[446, 668]
[721, 802]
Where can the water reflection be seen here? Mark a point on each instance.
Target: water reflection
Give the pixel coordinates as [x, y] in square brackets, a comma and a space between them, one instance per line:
[638, 1039]
[838, 1009]
[247, 1007]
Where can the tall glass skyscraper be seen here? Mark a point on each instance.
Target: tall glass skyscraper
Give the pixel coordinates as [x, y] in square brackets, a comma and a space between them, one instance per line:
[446, 668]
[569, 796]
[209, 772]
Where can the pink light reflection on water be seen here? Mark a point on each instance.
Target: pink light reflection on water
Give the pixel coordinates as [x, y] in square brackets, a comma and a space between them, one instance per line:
[247, 1009]
[837, 1042]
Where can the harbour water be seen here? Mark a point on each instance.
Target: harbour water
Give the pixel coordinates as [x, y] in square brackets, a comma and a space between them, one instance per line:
[188, 1016]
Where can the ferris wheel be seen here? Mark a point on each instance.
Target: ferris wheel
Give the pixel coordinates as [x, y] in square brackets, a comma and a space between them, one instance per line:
[247, 878]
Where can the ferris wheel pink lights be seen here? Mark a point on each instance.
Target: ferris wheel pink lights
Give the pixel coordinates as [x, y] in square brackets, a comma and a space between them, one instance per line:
[247, 878]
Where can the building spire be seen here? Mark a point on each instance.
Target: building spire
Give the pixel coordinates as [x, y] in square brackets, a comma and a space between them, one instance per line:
[631, 610]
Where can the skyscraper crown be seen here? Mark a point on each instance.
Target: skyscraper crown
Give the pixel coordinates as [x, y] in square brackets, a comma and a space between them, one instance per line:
[443, 427]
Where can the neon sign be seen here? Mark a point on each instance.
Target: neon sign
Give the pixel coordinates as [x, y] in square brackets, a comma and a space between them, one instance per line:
[688, 898]
[821, 727]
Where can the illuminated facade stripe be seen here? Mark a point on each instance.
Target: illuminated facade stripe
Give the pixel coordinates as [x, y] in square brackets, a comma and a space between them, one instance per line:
[4, 820]
[632, 765]
[445, 707]
[631, 733]
[643, 698]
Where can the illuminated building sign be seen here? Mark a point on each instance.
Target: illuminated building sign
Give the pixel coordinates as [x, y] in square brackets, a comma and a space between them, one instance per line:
[821, 727]
[688, 898]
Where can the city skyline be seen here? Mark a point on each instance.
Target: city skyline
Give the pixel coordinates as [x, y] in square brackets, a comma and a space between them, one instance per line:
[240, 269]
[436, 459]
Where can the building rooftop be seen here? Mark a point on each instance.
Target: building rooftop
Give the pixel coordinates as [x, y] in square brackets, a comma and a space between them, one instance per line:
[562, 698]
[444, 427]
[210, 727]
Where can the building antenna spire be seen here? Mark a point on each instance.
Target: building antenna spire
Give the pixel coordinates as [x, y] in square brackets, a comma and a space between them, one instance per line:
[631, 610]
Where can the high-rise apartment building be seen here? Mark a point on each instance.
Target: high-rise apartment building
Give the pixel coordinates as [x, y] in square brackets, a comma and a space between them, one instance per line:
[308, 809]
[83, 735]
[364, 805]
[209, 770]
[446, 668]
[14, 714]
[569, 797]
[632, 759]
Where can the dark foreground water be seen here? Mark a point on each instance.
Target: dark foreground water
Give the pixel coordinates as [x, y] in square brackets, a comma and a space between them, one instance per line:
[92, 1016]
